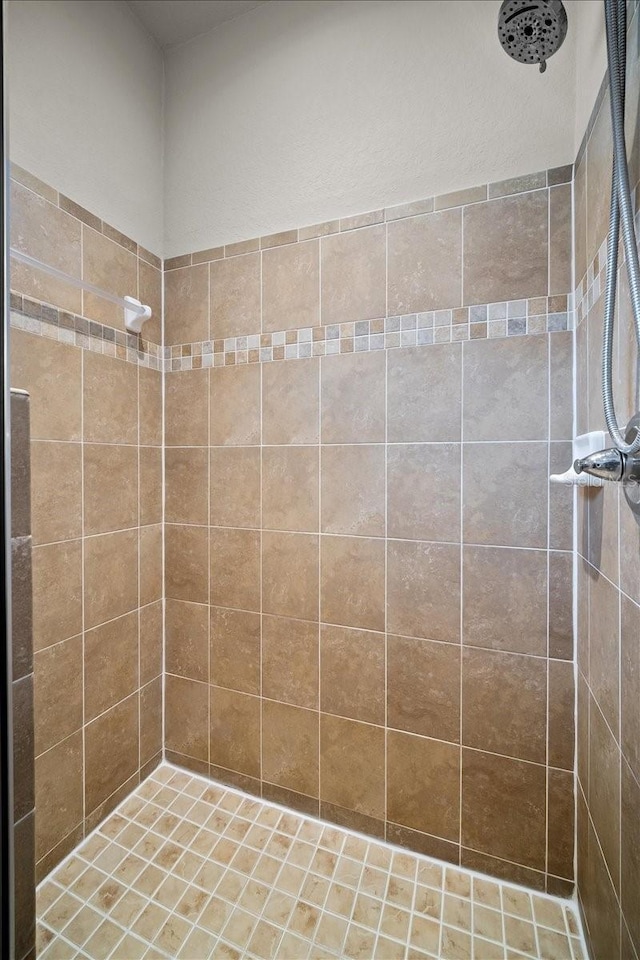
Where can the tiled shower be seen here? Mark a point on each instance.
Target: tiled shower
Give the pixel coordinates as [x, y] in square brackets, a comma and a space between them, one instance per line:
[298, 540]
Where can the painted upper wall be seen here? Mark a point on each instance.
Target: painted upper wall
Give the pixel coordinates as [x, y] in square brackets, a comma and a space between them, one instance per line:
[591, 59]
[85, 106]
[301, 112]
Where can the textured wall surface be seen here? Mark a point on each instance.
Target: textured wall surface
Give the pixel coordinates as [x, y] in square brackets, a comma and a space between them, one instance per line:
[608, 638]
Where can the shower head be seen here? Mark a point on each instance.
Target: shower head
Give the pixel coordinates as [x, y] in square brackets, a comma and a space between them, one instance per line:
[532, 30]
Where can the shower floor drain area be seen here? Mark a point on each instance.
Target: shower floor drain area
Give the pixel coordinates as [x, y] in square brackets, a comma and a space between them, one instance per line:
[186, 868]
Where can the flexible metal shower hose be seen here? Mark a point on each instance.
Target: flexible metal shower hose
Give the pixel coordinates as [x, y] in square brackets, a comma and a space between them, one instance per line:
[621, 212]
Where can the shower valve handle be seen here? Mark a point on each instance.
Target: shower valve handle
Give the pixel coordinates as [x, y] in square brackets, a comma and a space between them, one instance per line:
[610, 464]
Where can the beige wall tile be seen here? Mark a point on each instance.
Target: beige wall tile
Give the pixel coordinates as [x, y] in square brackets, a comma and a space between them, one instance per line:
[290, 488]
[290, 661]
[56, 491]
[110, 396]
[112, 268]
[56, 615]
[235, 568]
[151, 642]
[353, 398]
[561, 814]
[50, 235]
[186, 304]
[235, 731]
[52, 374]
[352, 765]
[560, 239]
[150, 293]
[423, 687]
[150, 720]
[290, 747]
[58, 793]
[352, 668]
[580, 219]
[111, 751]
[417, 767]
[150, 411]
[235, 405]
[425, 262]
[505, 248]
[234, 488]
[353, 489]
[424, 391]
[290, 287]
[423, 590]
[561, 714]
[110, 487]
[186, 485]
[290, 402]
[352, 582]
[151, 496]
[110, 664]
[186, 705]
[186, 409]
[353, 275]
[110, 576]
[235, 296]
[56, 668]
[187, 639]
[290, 575]
[235, 650]
[423, 499]
[150, 564]
[186, 563]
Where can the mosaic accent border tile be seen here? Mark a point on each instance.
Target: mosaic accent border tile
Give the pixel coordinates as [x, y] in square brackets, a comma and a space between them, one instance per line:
[43, 320]
[490, 320]
[488, 191]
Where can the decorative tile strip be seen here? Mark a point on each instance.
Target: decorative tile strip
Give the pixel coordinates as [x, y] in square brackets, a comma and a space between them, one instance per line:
[593, 284]
[44, 320]
[490, 320]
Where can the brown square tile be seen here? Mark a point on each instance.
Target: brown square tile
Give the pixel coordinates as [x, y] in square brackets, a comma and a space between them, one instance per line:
[352, 668]
[423, 590]
[506, 389]
[423, 381]
[561, 714]
[22, 454]
[51, 373]
[506, 505]
[235, 650]
[150, 406]
[419, 475]
[47, 233]
[353, 398]
[186, 485]
[187, 639]
[291, 286]
[186, 705]
[110, 664]
[109, 266]
[604, 647]
[235, 568]
[235, 486]
[290, 747]
[423, 687]
[290, 402]
[150, 473]
[425, 262]
[150, 587]
[352, 582]
[151, 642]
[111, 745]
[110, 396]
[505, 248]
[505, 599]
[353, 483]
[58, 793]
[235, 405]
[56, 491]
[561, 803]
[22, 715]
[290, 575]
[22, 608]
[353, 275]
[186, 307]
[110, 488]
[186, 560]
[56, 615]
[57, 668]
[110, 580]
[503, 807]
[150, 722]
[561, 605]
[235, 296]
[492, 683]
[604, 790]
[290, 661]
[419, 768]
[290, 488]
[630, 685]
[630, 849]
[352, 765]
[561, 385]
[186, 409]
[235, 731]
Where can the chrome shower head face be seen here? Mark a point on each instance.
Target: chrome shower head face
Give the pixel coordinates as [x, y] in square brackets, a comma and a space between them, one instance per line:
[532, 30]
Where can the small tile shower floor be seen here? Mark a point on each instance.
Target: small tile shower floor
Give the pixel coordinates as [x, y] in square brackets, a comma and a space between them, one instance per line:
[185, 868]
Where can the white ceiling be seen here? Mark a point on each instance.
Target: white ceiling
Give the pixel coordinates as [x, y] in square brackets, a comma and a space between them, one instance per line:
[174, 21]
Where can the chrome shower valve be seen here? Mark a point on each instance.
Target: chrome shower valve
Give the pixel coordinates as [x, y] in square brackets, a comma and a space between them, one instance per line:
[610, 464]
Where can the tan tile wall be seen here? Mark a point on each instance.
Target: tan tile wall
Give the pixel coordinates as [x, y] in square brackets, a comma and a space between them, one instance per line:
[608, 616]
[96, 508]
[368, 579]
